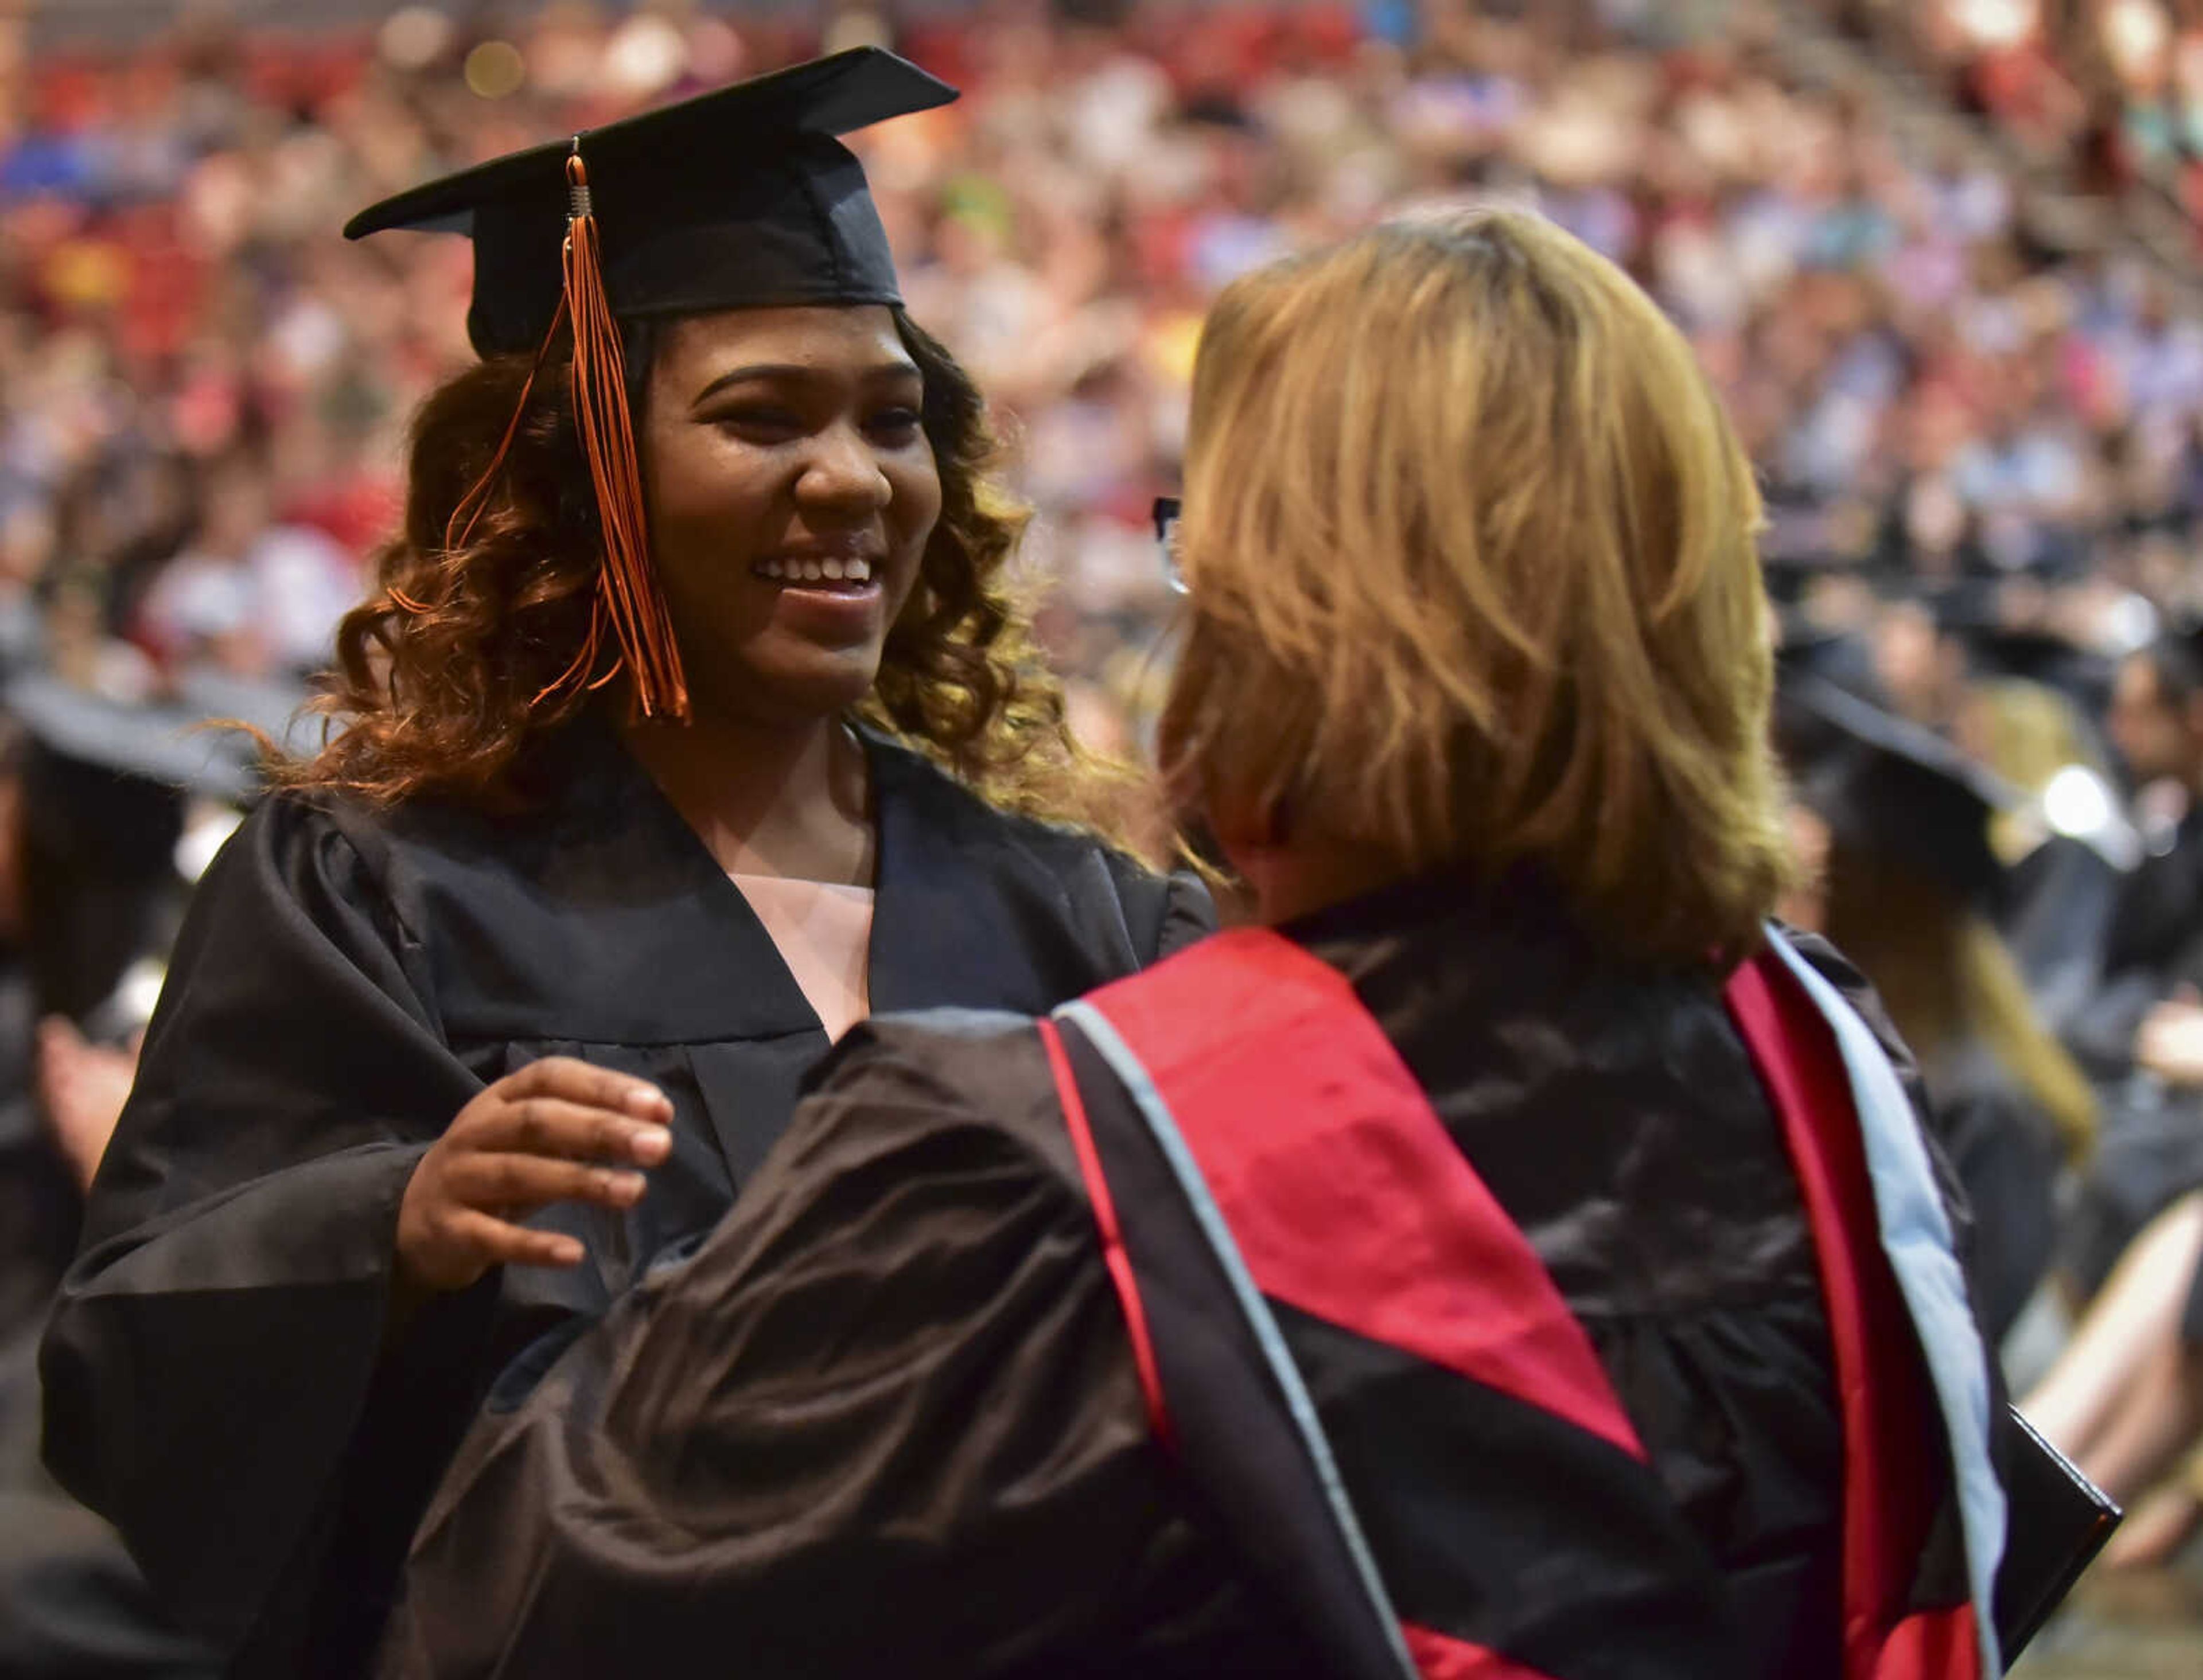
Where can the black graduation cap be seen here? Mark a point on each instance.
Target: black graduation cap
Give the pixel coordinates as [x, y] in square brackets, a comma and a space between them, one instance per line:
[1887, 786]
[103, 791]
[741, 197]
[2036, 652]
[145, 758]
[1805, 646]
[1834, 658]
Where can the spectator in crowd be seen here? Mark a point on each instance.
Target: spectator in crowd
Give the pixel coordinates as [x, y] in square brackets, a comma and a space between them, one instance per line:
[85, 886]
[2124, 1400]
[1923, 386]
[2141, 1034]
[1908, 882]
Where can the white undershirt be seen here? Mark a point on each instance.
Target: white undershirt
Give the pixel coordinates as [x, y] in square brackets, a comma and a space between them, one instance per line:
[824, 932]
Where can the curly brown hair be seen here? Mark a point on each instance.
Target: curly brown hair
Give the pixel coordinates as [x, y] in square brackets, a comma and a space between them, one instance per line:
[477, 643]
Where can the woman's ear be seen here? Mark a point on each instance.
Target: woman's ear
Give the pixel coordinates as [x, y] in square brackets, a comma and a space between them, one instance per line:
[1251, 827]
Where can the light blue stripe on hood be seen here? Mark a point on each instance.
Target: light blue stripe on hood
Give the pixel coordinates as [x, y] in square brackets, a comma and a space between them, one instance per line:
[1916, 1233]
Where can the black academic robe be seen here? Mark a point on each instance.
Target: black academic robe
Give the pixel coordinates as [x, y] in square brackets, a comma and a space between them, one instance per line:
[223, 1381]
[2149, 1148]
[888, 1419]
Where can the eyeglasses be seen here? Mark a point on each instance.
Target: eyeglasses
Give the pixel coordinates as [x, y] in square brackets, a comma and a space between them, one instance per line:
[1166, 515]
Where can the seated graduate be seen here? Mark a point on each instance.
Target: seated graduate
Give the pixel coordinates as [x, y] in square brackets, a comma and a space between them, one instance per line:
[1908, 884]
[1471, 1269]
[693, 718]
[92, 808]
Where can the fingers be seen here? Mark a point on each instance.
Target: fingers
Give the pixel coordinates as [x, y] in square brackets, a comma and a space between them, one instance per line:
[557, 1131]
[551, 1126]
[575, 1082]
[518, 1184]
[493, 1243]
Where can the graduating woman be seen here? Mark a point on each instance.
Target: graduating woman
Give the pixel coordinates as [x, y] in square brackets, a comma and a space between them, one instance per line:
[692, 721]
[1514, 1258]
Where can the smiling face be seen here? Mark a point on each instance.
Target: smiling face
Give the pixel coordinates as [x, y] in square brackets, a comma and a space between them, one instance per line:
[791, 491]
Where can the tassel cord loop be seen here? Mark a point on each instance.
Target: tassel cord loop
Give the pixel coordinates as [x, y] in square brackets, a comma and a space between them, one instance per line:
[628, 589]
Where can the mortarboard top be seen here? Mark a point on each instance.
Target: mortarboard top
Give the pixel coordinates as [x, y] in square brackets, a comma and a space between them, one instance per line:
[1793, 562]
[1808, 656]
[1805, 644]
[2033, 652]
[1887, 786]
[103, 784]
[741, 197]
[90, 743]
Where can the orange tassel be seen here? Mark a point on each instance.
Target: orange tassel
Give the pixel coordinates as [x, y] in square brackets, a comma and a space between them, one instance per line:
[583, 660]
[627, 588]
[477, 496]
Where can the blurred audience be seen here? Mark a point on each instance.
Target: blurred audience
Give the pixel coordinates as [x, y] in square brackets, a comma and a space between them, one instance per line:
[1982, 456]
[202, 386]
[2109, 92]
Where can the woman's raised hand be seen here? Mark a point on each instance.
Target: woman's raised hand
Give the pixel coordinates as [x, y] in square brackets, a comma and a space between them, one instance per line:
[558, 1130]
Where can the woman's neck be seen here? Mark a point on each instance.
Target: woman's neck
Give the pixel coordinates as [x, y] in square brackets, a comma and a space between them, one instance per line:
[1295, 878]
[767, 799]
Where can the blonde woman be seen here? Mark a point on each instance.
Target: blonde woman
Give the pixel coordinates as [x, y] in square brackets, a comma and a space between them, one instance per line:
[1462, 1271]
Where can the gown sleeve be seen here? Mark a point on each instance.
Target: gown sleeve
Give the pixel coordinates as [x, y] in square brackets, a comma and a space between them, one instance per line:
[884, 1421]
[212, 1351]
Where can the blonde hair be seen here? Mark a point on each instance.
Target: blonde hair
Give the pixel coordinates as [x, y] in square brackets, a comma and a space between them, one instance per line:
[1948, 979]
[1471, 548]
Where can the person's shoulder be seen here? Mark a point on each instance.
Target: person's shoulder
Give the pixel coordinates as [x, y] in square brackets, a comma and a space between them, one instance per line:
[311, 851]
[288, 824]
[291, 823]
[1850, 983]
[311, 842]
[430, 833]
[946, 800]
[1166, 912]
[1859, 993]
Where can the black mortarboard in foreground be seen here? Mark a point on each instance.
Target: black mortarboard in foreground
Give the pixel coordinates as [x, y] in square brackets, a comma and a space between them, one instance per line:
[741, 197]
[1887, 787]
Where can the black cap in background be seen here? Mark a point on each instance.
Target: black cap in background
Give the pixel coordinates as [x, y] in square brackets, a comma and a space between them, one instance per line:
[1887, 787]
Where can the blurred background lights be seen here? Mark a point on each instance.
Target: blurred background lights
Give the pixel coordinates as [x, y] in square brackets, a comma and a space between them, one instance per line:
[646, 56]
[716, 53]
[1996, 23]
[414, 38]
[858, 26]
[495, 70]
[2076, 802]
[2136, 34]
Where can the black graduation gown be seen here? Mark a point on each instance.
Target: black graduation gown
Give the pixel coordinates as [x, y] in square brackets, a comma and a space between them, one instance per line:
[221, 1381]
[888, 1421]
[2007, 1158]
[2149, 1147]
